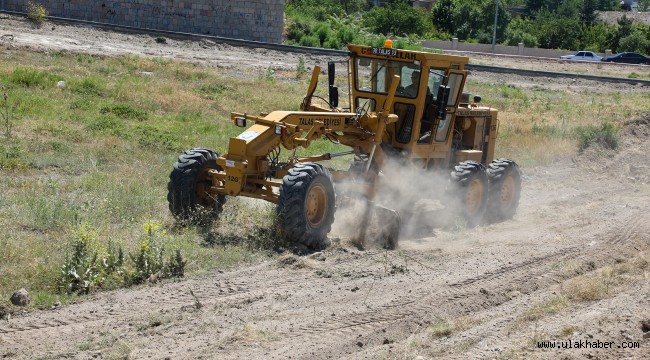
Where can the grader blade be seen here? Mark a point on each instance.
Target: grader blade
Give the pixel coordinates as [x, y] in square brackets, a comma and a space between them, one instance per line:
[387, 229]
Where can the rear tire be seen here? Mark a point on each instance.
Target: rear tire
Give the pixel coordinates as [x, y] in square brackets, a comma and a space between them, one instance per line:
[188, 196]
[504, 189]
[471, 182]
[306, 206]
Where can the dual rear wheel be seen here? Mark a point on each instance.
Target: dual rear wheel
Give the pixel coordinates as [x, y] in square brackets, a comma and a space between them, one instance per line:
[490, 193]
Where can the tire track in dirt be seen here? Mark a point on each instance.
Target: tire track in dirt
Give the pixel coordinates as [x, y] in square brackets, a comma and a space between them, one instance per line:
[630, 237]
[166, 297]
[470, 295]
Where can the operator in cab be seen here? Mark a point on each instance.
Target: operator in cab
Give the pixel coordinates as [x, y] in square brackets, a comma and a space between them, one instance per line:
[412, 90]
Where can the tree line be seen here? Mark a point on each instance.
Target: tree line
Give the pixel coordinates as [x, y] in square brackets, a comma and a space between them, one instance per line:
[552, 24]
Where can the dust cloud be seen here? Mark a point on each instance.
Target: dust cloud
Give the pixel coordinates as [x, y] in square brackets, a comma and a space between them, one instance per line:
[409, 202]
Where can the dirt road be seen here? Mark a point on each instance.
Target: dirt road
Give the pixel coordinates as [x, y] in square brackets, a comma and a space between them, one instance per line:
[453, 293]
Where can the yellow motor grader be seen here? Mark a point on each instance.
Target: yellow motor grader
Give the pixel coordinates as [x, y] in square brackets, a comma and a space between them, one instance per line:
[404, 105]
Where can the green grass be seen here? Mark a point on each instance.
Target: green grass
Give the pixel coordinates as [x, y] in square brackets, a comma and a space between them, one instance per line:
[100, 149]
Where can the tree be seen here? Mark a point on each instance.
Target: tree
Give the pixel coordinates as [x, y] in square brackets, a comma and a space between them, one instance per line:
[609, 5]
[475, 19]
[521, 31]
[644, 5]
[636, 42]
[557, 32]
[443, 13]
[597, 37]
[352, 6]
[588, 13]
[398, 18]
[536, 5]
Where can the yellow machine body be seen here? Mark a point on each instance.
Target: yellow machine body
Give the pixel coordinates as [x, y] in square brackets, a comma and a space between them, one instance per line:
[394, 114]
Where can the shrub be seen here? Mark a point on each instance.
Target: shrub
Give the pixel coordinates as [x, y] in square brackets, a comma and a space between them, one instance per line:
[310, 40]
[36, 12]
[398, 18]
[106, 124]
[322, 31]
[332, 42]
[89, 86]
[30, 77]
[155, 138]
[300, 68]
[88, 267]
[149, 260]
[635, 42]
[606, 134]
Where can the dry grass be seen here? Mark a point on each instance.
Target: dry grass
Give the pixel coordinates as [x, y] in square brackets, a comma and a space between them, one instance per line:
[595, 285]
[250, 335]
[540, 126]
[549, 307]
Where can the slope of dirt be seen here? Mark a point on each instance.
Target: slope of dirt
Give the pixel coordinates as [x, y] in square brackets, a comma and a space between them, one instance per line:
[575, 218]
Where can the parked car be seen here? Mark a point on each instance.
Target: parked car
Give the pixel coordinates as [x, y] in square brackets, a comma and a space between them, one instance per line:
[583, 55]
[628, 58]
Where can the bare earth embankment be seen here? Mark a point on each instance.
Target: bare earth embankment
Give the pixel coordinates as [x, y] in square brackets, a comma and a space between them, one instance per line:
[573, 264]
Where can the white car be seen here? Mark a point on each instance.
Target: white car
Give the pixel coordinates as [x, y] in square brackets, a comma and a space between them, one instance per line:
[583, 55]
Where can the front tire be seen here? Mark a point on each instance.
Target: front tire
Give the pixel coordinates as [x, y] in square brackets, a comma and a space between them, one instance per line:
[188, 186]
[504, 189]
[471, 182]
[306, 205]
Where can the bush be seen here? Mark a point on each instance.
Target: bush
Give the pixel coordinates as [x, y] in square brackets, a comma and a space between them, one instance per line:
[155, 138]
[309, 40]
[300, 68]
[36, 12]
[88, 267]
[606, 134]
[635, 42]
[89, 86]
[332, 42]
[149, 260]
[322, 31]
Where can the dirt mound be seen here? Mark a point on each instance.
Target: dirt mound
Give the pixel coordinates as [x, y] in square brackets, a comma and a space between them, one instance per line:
[637, 129]
[629, 161]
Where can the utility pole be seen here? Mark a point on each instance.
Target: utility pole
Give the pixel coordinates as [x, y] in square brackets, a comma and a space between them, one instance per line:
[494, 33]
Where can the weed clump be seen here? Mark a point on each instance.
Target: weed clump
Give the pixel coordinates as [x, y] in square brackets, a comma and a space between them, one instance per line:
[125, 111]
[81, 271]
[149, 260]
[89, 266]
[89, 86]
[36, 12]
[300, 69]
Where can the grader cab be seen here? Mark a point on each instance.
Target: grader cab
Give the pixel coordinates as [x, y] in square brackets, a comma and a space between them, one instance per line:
[404, 105]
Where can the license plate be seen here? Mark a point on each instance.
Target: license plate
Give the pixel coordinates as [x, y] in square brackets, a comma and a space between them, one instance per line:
[383, 51]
